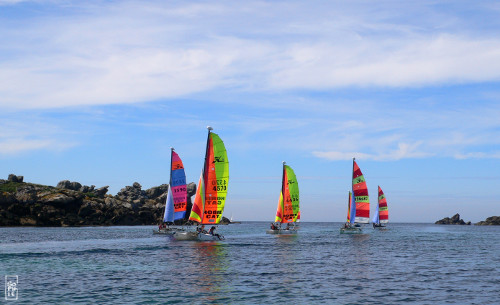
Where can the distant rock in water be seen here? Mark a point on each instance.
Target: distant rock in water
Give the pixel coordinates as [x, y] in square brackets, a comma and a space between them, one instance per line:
[74, 204]
[454, 220]
[490, 221]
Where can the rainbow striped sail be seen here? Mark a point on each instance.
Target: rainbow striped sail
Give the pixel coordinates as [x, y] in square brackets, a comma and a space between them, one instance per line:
[382, 212]
[288, 209]
[175, 207]
[349, 203]
[361, 200]
[211, 194]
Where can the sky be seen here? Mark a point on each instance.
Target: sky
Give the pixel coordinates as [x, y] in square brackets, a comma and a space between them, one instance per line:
[98, 91]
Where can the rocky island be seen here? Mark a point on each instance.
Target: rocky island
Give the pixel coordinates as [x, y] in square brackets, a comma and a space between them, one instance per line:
[72, 204]
[454, 220]
[490, 221]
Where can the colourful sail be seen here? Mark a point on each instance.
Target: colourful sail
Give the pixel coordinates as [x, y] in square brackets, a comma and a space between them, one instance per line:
[288, 205]
[382, 207]
[175, 207]
[360, 195]
[349, 203]
[211, 194]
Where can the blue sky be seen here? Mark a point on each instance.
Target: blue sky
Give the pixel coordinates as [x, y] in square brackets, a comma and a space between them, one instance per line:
[97, 92]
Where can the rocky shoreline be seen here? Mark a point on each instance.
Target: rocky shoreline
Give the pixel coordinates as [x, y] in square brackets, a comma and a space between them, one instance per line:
[455, 220]
[72, 204]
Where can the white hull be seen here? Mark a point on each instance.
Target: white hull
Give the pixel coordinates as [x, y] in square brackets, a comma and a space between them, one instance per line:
[281, 231]
[203, 237]
[196, 236]
[167, 231]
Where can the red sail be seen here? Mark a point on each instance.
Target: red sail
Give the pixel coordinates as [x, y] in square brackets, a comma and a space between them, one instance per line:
[360, 195]
[382, 207]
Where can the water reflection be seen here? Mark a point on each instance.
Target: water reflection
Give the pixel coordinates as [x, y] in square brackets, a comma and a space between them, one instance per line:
[209, 269]
[355, 253]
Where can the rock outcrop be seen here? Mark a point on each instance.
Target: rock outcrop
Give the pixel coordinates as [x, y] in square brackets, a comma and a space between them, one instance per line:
[454, 220]
[490, 221]
[73, 204]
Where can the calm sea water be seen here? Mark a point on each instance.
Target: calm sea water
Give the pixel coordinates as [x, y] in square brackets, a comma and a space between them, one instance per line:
[407, 263]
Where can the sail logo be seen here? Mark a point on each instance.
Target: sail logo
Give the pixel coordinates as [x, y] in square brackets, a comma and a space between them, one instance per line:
[11, 289]
[218, 159]
[359, 179]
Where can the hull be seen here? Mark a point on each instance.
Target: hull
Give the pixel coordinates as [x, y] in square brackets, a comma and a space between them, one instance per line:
[186, 236]
[168, 231]
[196, 236]
[281, 231]
[352, 230]
[208, 237]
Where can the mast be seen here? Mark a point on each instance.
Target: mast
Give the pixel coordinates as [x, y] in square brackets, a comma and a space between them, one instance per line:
[353, 198]
[283, 192]
[378, 205]
[171, 156]
[205, 170]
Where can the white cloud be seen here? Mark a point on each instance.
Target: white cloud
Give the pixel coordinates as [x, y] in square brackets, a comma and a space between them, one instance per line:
[404, 151]
[142, 51]
[30, 133]
[478, 155]
[445, 59]
[16, 146]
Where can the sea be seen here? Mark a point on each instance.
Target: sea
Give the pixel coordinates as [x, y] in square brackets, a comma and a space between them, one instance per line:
[401, 264]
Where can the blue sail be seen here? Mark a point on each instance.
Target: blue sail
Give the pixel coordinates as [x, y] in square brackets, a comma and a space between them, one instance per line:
[169, 207]
[376, 217]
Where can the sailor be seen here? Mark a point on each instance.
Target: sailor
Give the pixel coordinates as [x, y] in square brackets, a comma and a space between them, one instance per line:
[212, 232]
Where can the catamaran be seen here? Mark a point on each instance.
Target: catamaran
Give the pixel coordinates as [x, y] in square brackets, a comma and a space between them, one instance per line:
[359, 204]
[176, 203]
[381, 212]
[288, 205]
[211, 193]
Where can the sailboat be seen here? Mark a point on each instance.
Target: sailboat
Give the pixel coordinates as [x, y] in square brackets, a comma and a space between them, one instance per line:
[211, 193]
[382, 211]
[288, 205]
[232, 221]
[176, 203]
[358, 204]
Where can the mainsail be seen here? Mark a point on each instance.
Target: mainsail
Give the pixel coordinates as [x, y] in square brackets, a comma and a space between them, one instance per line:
[288, 204]
[383, 210]
[360, 195]
[212, 187]
[176, 204]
